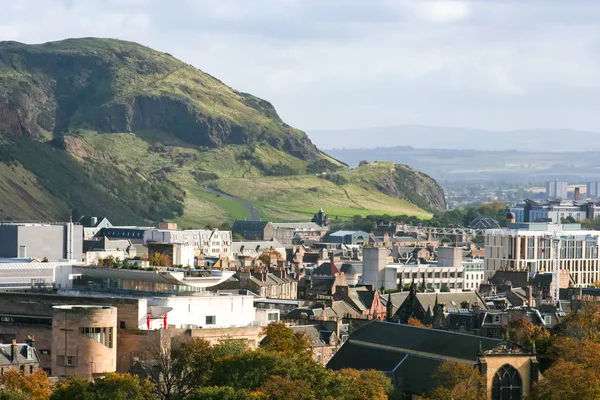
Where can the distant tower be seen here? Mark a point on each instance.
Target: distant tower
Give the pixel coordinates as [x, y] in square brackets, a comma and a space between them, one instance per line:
[577, 195]
[511, 218]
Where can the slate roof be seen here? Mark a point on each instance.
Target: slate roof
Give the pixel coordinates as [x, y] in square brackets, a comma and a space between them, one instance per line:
[326, 269]
[302, 226]
[413, 371]
[409, 354]
[5, 355]
[436, 343]
[361, 357]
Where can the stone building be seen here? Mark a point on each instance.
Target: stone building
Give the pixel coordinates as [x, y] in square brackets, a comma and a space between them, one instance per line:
[274, 284]
[410, 356]
[84, 340]
[20, 357]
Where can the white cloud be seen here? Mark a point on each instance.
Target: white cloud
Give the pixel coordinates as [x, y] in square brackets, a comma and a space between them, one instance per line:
[499, 64]
[442, 10]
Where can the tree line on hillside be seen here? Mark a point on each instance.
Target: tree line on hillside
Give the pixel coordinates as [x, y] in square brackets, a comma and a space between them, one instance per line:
[281, 369]
[460, 217]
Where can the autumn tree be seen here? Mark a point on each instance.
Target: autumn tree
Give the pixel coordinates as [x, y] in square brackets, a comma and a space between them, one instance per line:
[158, 259]
[458, 381]
[269, 254]
[34, 387]
[361, 385]
[583, 323]
[415, 322]
[279, 337]
[282, 388]
[574, 375]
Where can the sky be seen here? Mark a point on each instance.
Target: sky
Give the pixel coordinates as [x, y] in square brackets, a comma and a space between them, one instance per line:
[339, 64]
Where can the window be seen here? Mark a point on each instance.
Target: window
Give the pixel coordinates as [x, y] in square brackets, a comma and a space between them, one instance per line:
[122, 325]
[497, 319]
[211, 319]
[45, 352]
[548, 319]
[102, 335]
[507, 384]
[273, 317]
[69, 360]
[31, 369]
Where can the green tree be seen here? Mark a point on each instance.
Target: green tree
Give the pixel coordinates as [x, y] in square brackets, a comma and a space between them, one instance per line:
[444, 288]
[229, 347]
[220, 393]
[177, 368]
[112, 387]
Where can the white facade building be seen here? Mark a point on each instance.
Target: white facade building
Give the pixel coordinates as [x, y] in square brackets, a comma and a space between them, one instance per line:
[211, 243]
[208, 310]
[377, 271]
[528, 247]
[474, 274]
[29, 275]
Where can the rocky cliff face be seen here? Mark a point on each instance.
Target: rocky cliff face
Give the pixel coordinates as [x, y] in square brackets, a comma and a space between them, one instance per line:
[114, 86]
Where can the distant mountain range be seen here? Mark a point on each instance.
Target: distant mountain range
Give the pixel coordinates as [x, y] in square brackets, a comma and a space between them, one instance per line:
[431, 137]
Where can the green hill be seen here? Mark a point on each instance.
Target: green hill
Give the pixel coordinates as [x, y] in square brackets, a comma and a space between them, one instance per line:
[108, 127]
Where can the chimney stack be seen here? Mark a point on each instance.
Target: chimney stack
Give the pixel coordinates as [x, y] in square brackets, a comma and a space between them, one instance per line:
[13, 351]
[31, 341]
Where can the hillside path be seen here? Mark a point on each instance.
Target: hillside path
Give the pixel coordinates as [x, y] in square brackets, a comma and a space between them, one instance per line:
[252, 211]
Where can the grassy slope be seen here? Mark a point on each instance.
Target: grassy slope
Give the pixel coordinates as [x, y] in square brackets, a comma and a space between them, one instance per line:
[20, 194]
[138, 70]
[278, 198]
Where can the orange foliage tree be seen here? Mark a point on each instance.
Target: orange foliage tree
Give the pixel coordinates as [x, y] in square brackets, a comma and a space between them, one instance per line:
[268, 254]
[35, 386]
[574, 375]
[160, 260]
[416, 322]
[458, 381]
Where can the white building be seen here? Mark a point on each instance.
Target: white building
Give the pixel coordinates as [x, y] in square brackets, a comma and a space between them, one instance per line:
[30, 275]
[209, 310]
[474, 271]
[378, 272]
[211, 243]
[528, 247]
[555, 211]
[556, 189]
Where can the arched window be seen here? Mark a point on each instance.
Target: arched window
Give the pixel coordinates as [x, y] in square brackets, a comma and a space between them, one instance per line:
[507, 384]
